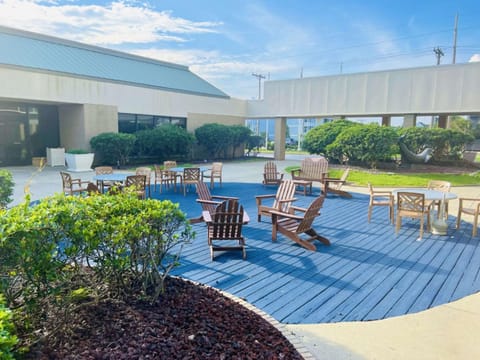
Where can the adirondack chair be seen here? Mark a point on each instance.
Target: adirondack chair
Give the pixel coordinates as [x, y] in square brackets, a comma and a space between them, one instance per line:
[270, 174]
[208, 201]
[281, 200]
[292, 225]
[334, 185]
[225, 225]
[312, 169]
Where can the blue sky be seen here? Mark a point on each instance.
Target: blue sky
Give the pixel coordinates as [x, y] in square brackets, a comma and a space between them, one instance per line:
[226, 41]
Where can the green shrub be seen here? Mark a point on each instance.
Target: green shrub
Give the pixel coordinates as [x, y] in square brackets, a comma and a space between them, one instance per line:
[113, 148]
[365, 143]
[318, 138]
[6, 188]
[217, 139]
[164, 142]
[7, 339]
[106, 246]
[77, 151]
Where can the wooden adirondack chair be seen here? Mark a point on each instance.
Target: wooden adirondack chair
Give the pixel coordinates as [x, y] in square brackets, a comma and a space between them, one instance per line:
[208, 201]
[270, 174]
[312, 169]
[292, 226]
[225, 224]
[334, 185]
[282, 200]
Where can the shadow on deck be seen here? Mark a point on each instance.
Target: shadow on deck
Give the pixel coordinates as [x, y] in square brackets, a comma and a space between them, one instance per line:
[367, 273]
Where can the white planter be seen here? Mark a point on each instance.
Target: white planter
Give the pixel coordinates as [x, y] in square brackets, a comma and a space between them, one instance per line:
[79, 162]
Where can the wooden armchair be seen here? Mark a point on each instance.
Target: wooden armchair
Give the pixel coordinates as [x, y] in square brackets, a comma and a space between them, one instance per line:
[469, 206]
[164, 177]
[292, 225]
[148, 173]
[191, 176]
[444, 186]
[139, 183]
[380, 198]
[282, 200]
[271, 176]
[208, 201]
[412, 205]
[334, 185]
[72, 186]
[214, 173]
[312, 169]
[101, 170]
[225, 225]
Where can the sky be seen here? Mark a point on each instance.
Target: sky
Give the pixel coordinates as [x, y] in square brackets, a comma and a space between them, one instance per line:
[226, 41]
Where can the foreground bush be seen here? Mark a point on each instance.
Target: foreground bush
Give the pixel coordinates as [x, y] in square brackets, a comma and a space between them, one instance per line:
[6, 188]
[68, 249]
[7, 339]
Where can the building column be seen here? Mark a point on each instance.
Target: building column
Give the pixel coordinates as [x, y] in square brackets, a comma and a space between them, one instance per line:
[280, 136]
[409, 120]
[442, 121]
[386, 120]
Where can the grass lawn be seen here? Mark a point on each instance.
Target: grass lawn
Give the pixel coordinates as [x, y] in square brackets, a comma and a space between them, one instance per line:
[390, 179]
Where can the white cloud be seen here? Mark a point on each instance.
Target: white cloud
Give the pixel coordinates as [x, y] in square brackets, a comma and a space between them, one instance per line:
[475, 58]
[115, 23]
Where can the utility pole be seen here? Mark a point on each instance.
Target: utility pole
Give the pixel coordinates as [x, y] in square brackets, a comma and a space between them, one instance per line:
[439, 53]
[259, 77]
[455, 39]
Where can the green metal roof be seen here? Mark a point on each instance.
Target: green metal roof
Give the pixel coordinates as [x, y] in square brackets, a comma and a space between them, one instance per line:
[45, 53]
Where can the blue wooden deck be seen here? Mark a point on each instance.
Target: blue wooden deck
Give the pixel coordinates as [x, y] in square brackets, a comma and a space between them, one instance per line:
[367, 273]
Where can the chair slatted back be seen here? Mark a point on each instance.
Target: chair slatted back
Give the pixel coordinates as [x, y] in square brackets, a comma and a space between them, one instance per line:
[138, 181]
[144, 171]
[216, 169]
[314, 168]
[102, 170]
[66, 181]
[204, 194]
[169, 164]
[439, 185]
[411, 202]
[191, 175]
[227, 221]
[271, 174]
[285, 191]
[312, 212]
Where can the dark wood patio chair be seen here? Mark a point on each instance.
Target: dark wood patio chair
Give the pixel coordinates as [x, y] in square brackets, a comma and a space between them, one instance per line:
[282, 200]
[208, 201]
[144, 170]
[102, 170]
[293, 226]
[271, 176]
[334, 185]
[224, 225]
[72, 186]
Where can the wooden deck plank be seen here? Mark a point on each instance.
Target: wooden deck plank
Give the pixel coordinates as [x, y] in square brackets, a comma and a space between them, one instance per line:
[367, 273]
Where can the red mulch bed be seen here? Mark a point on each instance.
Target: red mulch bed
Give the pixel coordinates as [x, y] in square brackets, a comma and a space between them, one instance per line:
[188, 322]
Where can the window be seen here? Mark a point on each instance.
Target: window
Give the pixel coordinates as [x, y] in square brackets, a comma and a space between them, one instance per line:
[130, 123]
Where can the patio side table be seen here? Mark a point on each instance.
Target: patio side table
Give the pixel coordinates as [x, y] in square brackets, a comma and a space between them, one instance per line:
[303, 186]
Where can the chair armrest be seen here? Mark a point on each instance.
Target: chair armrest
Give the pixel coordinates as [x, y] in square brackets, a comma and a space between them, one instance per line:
[224, 197]
[265, 196]
[469, 199]
[286, 215]
[287, 200]
[202, 201]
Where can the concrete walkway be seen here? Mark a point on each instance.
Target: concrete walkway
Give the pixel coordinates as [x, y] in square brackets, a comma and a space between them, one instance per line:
[446, 332]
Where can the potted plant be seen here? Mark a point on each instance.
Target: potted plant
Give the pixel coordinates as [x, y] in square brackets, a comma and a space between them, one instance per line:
[79, 160]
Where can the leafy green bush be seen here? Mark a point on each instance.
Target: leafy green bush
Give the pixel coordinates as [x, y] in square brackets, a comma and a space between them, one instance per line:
[164, 142]
[113, 148]
[447, 144]
[366, 143]
[318, 138]
[218, 138]
[7, 339]
[77, 151]
[6, 188]
[99, 246]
